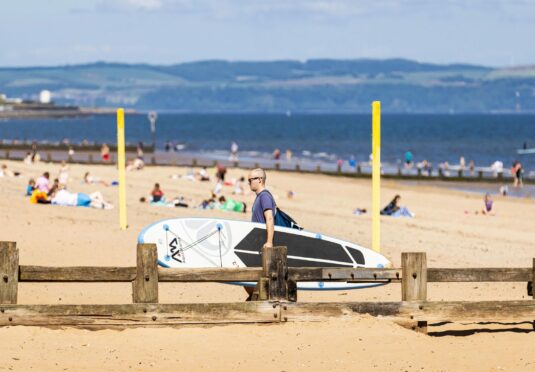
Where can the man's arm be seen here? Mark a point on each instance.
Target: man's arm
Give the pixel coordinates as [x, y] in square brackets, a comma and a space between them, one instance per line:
[270, 227]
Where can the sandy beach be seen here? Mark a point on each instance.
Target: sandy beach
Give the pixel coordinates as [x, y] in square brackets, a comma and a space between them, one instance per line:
[445, 227]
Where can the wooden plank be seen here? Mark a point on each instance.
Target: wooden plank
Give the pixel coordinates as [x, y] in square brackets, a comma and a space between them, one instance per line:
[76, 274]
[533, 282]
[479, 275]
[145, 286]
[437, 311]
[414, 272]
[246, 274]
[138, 314]
[275, 268]
[9, 272]
[414, 283]
[263, 289]
[29, 273]
[342, 274]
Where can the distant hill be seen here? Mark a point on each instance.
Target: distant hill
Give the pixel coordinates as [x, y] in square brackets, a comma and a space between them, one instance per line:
[320, 85]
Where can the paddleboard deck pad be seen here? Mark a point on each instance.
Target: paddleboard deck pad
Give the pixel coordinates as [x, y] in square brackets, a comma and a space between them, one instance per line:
[207, 242]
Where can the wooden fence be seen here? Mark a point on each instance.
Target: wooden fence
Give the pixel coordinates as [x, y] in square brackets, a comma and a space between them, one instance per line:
[274, 297]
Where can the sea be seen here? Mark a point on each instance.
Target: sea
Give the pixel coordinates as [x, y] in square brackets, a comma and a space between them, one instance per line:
[319, 137]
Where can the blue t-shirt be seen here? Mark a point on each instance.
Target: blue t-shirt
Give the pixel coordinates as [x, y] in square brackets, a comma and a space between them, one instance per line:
[262, 203]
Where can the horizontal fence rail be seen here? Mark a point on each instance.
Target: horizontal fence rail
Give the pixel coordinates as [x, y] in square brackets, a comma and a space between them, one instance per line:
[253, 274]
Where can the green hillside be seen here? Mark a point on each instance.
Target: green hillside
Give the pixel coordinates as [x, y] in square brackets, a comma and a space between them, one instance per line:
[320, 85]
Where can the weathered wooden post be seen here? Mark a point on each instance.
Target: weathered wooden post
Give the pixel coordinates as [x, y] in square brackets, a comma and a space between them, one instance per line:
[277, 166]
[7, 154]
[48, 157]
[530, 287]
[153, 160]
[145, 286]
[90, 158]
[318, 168]
[414, 281]
[9, 272]
[275, 269]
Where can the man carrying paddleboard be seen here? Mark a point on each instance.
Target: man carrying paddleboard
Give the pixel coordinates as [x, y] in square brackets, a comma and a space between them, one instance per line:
[264, 205]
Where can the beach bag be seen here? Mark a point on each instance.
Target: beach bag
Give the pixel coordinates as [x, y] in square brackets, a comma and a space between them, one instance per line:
[284, 220]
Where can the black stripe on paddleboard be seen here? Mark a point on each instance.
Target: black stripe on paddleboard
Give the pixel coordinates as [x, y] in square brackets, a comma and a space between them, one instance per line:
[298, 245]
[357, 255]
[255, 260]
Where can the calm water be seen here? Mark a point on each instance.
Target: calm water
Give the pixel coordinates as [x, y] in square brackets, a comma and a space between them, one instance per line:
[437, 138]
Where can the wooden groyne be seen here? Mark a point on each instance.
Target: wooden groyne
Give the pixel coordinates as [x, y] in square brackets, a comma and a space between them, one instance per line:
[90, 154]
[275, 298]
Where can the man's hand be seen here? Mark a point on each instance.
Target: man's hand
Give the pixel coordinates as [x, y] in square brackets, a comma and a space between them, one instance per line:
[268, 245]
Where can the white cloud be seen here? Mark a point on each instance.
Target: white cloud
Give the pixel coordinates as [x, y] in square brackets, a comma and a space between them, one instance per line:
[320, 9]
[145, 4]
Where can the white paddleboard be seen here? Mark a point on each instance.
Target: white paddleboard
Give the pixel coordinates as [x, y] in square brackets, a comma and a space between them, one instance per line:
[208, 242]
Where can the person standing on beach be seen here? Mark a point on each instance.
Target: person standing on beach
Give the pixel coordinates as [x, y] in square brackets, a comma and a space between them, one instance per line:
[105, 153]
[233, 151]
[264, 204]
[518, 174]
[408, 159]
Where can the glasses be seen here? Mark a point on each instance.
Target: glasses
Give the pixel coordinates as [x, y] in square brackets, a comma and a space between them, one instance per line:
[254, 178]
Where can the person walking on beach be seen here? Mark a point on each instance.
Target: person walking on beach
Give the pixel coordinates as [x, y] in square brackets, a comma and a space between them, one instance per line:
[263, 210]
[264, 204]
[518, 174]
[105, 153]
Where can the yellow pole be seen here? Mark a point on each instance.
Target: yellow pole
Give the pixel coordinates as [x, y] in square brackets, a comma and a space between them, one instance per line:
[376, 176]
[121, 166]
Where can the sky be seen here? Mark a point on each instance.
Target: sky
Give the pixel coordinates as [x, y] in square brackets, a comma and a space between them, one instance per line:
[498, 33]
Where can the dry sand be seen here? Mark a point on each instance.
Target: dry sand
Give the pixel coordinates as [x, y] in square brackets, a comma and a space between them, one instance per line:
[63, 236]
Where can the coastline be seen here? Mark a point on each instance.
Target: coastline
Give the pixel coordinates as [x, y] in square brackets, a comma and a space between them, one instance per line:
[58, 112]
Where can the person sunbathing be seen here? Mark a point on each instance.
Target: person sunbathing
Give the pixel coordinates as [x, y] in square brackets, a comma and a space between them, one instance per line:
[157, 193]
[30, 187]
[232, 205]
[395, 210]
[5, 172]
[70, 199]
[89, 179]
[54, 188]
